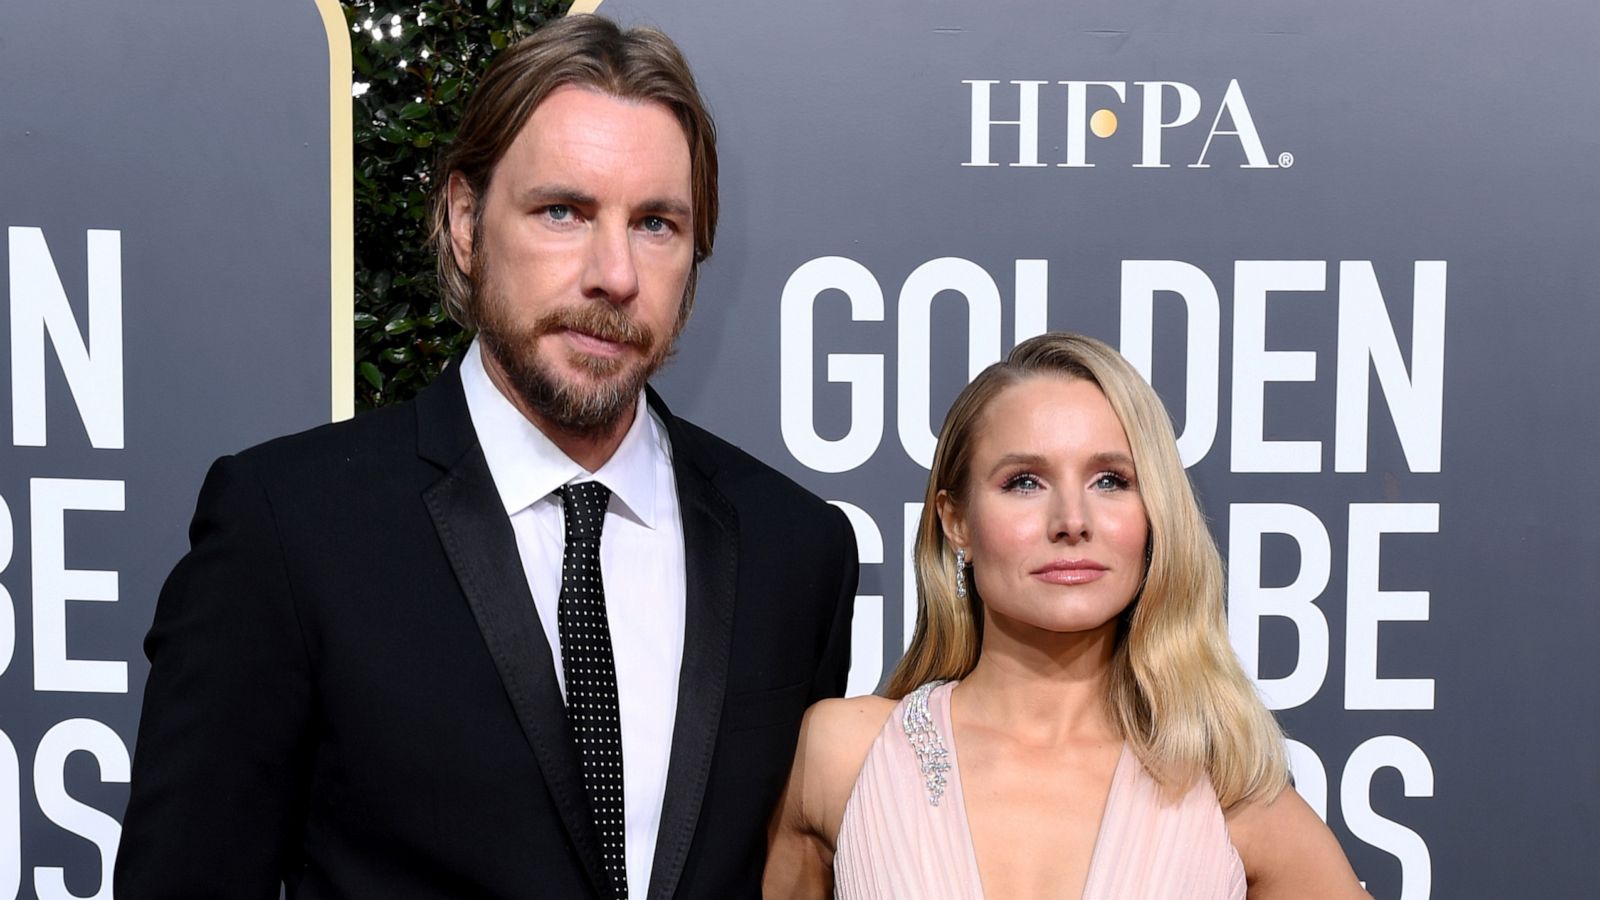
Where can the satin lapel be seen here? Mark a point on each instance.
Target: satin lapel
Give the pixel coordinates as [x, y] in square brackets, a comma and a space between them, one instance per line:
[711, 565]
[482, 548]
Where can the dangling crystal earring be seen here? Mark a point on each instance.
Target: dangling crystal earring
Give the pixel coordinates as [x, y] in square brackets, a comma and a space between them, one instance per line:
[961, 574]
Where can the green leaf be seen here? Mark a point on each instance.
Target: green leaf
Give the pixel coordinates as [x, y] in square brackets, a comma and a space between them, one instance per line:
[403, 335]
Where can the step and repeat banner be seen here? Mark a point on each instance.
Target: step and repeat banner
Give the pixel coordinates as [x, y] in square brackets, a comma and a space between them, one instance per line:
[1353, 246]
[175, 202]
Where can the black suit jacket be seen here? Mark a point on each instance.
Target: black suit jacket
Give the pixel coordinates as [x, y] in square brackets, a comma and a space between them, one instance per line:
[350, 691]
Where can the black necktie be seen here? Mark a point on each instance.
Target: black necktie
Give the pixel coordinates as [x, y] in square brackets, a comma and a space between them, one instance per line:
[591, 670]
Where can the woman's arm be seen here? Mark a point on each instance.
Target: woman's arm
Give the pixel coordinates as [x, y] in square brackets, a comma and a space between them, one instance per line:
[1289, 853]
[835, 736]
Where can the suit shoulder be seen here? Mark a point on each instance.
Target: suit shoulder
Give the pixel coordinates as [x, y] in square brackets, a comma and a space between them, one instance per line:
[341, 462]
[734, 465]
[388, 431]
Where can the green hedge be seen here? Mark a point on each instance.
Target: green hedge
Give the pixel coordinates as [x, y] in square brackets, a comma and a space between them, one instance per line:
[417, 61]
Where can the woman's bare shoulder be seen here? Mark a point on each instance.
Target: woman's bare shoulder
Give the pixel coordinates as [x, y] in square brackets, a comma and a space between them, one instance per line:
[852, 719]
[1287, 851]
[837, 734]
[835, 738]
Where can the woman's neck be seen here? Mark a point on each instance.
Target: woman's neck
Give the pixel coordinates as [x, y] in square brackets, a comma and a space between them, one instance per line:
[1041, 687]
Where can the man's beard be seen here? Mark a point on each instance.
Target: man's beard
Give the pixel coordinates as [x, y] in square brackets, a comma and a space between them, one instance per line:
[589, 406]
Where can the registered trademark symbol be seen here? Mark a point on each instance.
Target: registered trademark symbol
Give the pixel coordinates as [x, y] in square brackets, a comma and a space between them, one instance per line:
[1285, 159]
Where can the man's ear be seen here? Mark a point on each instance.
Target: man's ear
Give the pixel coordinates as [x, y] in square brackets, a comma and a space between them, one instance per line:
[953, 521]
[462, 204]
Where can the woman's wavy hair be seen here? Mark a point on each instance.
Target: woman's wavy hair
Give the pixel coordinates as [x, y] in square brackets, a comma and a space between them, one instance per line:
[639, 64]
[1176, 690]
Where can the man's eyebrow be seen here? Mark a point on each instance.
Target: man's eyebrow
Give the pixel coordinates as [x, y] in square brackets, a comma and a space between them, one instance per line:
[555, 193]
[546, 194]
[666, 205]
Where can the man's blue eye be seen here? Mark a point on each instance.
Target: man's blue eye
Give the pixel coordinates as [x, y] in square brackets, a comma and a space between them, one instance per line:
[558, 212]
[655, 224]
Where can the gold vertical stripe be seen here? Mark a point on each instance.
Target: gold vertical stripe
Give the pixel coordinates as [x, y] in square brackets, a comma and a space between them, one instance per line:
[341, 219]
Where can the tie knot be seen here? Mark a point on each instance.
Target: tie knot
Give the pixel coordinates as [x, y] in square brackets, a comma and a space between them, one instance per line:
[583, 505]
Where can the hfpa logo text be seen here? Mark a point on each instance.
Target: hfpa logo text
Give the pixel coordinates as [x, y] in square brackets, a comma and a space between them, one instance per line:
[1164, 107]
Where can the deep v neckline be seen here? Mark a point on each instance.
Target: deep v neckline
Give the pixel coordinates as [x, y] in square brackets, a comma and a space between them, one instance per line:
[958, 792]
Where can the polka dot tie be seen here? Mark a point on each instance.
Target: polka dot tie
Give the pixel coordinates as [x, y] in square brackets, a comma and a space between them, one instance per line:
[591, 670]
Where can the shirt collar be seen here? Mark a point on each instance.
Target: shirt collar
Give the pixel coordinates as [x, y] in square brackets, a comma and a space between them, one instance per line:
[527, 466]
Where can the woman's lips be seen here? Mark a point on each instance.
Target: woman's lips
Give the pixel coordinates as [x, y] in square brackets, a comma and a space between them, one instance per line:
[1070, 571]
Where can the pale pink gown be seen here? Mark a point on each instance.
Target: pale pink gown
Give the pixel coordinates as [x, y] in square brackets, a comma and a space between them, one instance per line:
[905, 834]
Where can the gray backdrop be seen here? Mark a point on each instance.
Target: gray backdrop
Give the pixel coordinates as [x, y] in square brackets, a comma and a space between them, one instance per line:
[164, 198]
[1415, 588]
[1411, 588]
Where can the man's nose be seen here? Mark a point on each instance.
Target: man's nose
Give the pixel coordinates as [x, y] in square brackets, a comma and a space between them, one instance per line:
[610, 273]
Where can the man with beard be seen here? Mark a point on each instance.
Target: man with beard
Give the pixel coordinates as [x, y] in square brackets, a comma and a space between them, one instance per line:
[530, 634]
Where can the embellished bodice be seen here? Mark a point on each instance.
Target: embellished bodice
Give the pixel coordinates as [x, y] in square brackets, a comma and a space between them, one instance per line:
[905, 831]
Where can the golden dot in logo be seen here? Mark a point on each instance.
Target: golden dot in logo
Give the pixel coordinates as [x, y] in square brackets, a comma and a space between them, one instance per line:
[1103, 123]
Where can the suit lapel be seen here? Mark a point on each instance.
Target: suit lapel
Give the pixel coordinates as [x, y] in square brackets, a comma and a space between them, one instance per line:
[711, 563]
[478, 539]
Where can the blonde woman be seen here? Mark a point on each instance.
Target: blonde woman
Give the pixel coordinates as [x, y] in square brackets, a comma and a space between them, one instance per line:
[1070, 720]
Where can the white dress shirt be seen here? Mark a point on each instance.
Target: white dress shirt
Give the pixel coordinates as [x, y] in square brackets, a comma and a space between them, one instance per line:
[641, 562]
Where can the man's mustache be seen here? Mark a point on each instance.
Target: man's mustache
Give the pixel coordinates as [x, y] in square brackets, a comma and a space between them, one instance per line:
[600, 320]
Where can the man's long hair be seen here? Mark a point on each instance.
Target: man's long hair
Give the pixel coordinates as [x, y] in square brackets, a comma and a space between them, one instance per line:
[639, 64]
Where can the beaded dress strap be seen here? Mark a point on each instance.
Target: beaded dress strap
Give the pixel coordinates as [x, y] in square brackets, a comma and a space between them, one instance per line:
[933, 757]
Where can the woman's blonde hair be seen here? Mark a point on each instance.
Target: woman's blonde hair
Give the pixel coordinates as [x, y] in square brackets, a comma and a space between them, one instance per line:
[1176, 690]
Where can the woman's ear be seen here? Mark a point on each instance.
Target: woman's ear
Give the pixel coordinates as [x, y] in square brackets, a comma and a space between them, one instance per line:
[953, 522]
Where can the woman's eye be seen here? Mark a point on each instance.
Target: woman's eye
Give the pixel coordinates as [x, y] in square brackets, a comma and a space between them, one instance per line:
[1110, 481]
[1022, 482]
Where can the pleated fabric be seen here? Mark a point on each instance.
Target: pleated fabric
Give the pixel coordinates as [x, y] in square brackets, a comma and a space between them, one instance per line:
[894, 842]
[1150, 848]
